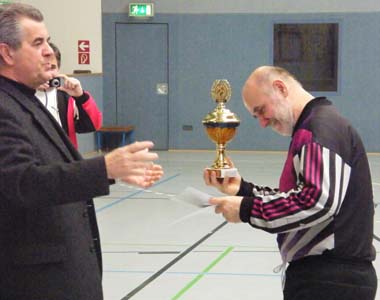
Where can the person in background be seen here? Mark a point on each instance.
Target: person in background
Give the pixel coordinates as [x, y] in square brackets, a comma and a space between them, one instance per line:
[50, 244]
[73, 108]
[323, 210]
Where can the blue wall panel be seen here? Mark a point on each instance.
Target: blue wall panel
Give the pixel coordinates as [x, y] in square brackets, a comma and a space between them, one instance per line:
[206, 47]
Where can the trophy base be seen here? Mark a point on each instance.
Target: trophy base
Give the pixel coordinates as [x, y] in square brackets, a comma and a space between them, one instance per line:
[221, 173]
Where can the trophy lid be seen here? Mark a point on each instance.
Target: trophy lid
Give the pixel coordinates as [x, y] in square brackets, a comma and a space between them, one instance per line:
[221, 116]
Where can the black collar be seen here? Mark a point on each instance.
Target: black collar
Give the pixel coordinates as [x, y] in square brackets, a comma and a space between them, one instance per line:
[21, 87]
[308, 107]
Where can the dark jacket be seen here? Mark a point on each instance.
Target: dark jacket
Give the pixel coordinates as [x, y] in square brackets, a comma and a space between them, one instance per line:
[324, 203]
[88, 119]
[50, 247]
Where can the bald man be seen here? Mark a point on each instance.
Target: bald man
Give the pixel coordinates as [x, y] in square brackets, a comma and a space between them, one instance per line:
[322, 211]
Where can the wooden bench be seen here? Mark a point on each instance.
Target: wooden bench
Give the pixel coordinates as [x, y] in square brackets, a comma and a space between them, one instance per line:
[125, 131]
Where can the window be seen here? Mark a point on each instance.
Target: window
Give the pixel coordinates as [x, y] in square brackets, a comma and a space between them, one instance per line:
[310, 52]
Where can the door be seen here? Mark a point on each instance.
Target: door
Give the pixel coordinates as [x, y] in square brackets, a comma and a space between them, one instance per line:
[142, 80]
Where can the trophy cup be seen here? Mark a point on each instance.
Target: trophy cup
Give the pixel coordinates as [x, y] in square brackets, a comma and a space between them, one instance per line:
[220, 126]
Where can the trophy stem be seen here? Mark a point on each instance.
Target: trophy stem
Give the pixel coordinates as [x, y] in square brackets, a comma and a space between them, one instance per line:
[220, 162]
[220, 166]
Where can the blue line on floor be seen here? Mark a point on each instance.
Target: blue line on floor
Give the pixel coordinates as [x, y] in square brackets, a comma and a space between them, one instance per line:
[133, 194]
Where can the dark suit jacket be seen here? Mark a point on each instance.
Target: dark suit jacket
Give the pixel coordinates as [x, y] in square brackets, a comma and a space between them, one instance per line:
[49, 240]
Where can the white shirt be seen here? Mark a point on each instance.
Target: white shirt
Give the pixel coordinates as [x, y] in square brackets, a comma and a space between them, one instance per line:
[49, 99]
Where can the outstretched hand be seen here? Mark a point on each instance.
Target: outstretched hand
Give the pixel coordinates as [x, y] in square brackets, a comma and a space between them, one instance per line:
[134, 164]
[152, 174]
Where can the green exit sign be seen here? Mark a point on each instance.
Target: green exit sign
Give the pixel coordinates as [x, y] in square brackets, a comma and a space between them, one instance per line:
[141, 10]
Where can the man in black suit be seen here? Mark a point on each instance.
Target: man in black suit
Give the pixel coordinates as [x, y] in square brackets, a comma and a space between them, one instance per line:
[50, 247]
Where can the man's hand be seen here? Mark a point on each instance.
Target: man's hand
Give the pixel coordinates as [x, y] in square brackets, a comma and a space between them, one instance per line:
[229, 207]
[228, 185]
[134, 164]
[152, 174]
[71, 86]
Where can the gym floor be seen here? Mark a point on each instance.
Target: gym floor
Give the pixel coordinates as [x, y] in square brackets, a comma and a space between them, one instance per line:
[158, 247]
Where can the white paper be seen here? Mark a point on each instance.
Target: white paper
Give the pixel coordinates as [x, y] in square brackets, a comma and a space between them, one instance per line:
[194, 197]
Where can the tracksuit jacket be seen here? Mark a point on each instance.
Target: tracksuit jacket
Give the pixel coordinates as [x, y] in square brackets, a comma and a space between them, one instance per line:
[324, 203]
[86, 117]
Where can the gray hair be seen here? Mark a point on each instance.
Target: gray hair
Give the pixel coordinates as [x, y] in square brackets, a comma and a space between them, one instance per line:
[10, 15]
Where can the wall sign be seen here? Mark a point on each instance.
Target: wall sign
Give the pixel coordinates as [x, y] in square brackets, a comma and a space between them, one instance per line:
[83, 52]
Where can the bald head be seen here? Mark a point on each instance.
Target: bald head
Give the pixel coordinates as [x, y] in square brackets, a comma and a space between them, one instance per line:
[275, 97]
[264, 76]
[269, 80]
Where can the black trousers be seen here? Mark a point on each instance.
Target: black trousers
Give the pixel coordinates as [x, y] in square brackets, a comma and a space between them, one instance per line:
[318, 277]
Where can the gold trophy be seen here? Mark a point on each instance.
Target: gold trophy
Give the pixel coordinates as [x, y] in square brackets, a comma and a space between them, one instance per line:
[220, 126]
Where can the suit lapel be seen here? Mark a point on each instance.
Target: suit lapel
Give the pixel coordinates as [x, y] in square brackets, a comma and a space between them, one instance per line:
[44, 119]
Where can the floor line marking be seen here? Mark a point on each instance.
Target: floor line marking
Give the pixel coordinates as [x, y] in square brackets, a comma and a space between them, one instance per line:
[196, 273]
[146, 252]
[133, 194]
[172, 262]
[185, 245]
[205, 271]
